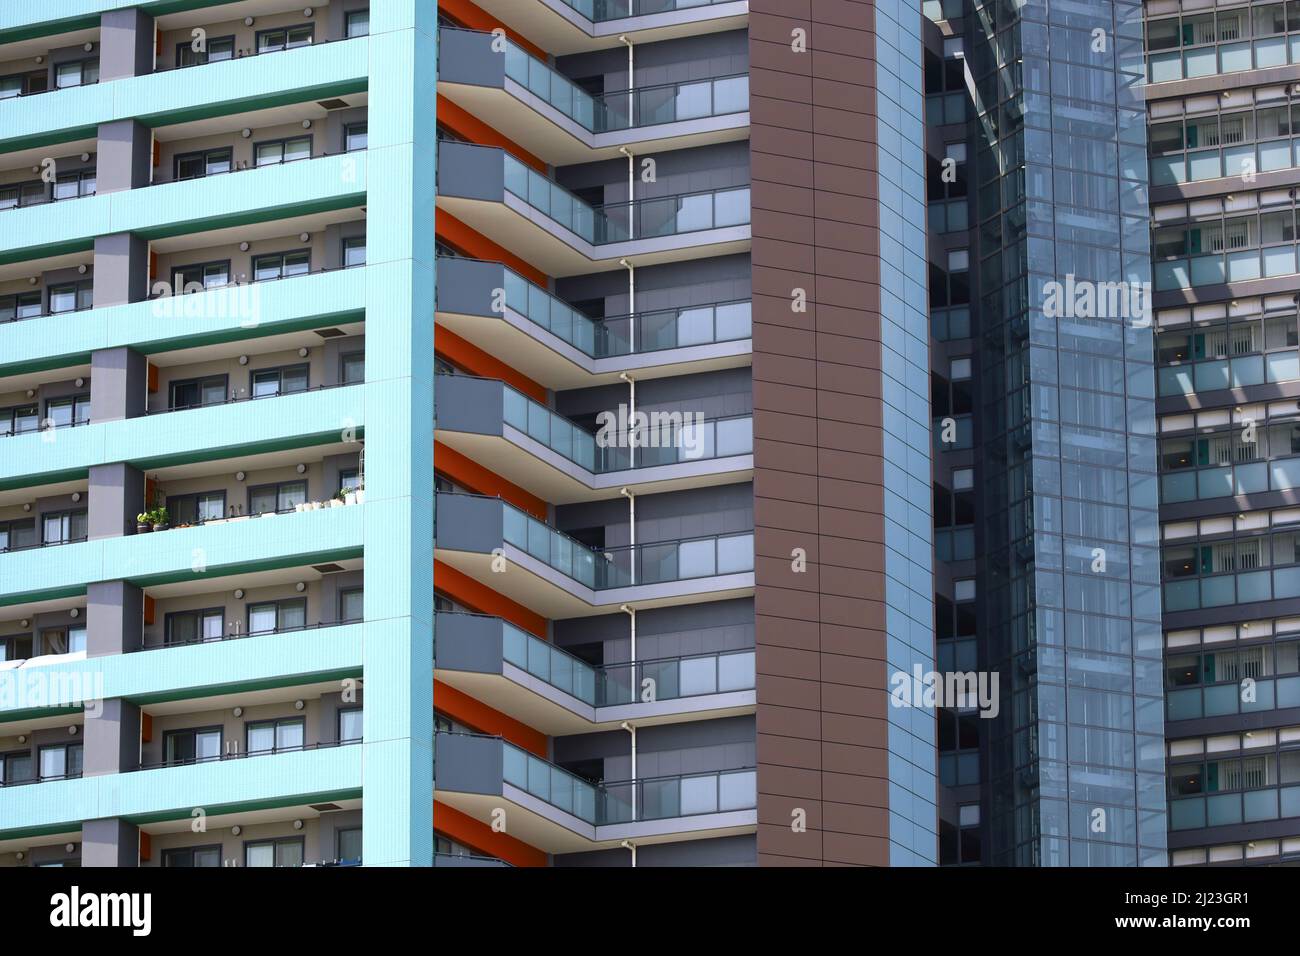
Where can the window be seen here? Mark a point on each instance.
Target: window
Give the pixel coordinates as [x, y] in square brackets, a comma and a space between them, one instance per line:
[354, 252]
[19, 420]
[23, 194]
[195, 392]
[287, 851]
[16, 647]
[72, 297]
[62, 527]
[351, 604]
[349, 479]
[350, 725]
[279, 381]
[283, 151]
[275, 736]
[206, 856]
[348, 846]
[354, 137]
[281, 265]
[80, 73]
[210, 162]
[283, 496]
[24, 306]
[17, 768]
[73, 185]
[352, 368]
[64, 640]
[60, 761]
[11, 86]
[196, 278]
[358, 23]
[193, 627]
[218, 48]
[73, 410]
[191, 746]
[16, 535]
[196, 508]
[273, 616]
[285, 38]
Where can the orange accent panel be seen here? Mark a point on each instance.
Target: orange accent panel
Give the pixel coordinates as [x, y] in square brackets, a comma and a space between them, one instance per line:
[150, 494]
[146, 728]
[464, 829]
[476, 18]
[478, 246]
[153, 265]
[478, 597]
[153, 378]
[477, 362]
[150, 609]
[465, 471]
[157, 153]
[486, 720]
[146, 846]
[467, 125]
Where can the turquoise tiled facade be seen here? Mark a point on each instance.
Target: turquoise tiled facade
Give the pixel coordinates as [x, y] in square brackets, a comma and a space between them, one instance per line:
[127, 342]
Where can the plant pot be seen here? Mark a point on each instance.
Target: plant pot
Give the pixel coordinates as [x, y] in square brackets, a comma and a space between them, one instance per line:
[161, 527]
[301, 506]
[335, 503]
[142, 528]
[361, 496]
[350, 498]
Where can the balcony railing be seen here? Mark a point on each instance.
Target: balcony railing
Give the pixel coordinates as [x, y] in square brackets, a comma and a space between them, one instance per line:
[601, 11]
[240, 635]
[646, 798]
[656, 563]
[45, 778]
[608, 685]
[245, 754]
[668, 439]
[245, 54]
[619, 222]
[250, 398]
[622, 109]
[615, 335]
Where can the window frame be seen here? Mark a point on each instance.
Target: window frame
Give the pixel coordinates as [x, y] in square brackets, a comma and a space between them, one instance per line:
[277, 485]
[286, 30]
[282, 142]
[280, 604]
[274, 723]
[205, 155]
[191, 851]
[279, 370]
[187, 47]
[217, 729]
[274, 843]
[171, 391]
[198, 613]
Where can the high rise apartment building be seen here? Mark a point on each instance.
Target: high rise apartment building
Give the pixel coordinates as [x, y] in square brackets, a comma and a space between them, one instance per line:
[539, 478]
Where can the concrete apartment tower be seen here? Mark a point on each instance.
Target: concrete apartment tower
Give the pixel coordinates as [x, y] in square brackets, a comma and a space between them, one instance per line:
[541, 478]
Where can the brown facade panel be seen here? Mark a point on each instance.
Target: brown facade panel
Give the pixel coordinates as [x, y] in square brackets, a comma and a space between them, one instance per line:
[818, 467]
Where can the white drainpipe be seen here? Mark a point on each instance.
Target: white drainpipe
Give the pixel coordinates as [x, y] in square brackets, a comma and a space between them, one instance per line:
[632, 435]
[631, 304]
[631, 536]
[632, 730]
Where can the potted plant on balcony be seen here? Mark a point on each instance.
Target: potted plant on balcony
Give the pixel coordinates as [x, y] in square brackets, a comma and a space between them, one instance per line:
[159, 518]
[144, 522]
[348, 496]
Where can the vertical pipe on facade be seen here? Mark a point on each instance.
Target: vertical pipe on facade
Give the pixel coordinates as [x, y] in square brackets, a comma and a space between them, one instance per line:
[631, 418]
[632, 730]
[631, 295]
[631, 532]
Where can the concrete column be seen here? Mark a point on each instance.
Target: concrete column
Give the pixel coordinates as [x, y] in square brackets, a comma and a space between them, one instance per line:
[118, 384]
[124, 156]
[121, 269]
[126, 44]
[116, 497]
[110, 842]
[112, 738]
[114, 618]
